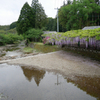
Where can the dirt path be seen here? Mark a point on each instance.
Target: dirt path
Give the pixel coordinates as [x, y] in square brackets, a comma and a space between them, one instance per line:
[61, 62]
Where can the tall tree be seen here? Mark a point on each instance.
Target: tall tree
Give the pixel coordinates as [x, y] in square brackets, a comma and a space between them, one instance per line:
[79, 14]
[69, 2]
[26, 19]
[39, 13]
[51, 24]
[13, 25]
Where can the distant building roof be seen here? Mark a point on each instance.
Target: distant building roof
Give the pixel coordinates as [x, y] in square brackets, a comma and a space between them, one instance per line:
[90, 27]
[47, 32]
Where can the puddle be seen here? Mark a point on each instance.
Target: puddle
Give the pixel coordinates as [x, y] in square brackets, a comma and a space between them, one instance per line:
[21, 83]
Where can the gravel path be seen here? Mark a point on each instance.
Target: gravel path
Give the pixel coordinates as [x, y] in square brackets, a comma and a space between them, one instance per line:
[62, 62]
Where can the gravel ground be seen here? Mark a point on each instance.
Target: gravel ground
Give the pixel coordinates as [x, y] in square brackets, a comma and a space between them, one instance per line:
[62, 62]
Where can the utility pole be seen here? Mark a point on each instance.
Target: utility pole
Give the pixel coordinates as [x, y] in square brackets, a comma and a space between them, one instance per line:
[57, 20]
[98, 14]
[57, 81]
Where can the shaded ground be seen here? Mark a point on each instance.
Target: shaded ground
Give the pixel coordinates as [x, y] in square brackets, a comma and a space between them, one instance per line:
[86, 53]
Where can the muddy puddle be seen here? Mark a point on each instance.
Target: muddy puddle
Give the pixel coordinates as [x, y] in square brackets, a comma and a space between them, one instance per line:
[23, 83]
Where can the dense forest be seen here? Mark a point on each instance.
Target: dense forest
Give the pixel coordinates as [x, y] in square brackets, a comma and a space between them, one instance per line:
[75, 15]
[79, 13]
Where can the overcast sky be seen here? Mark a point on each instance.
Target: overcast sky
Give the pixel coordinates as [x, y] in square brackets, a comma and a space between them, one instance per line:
[10, 9]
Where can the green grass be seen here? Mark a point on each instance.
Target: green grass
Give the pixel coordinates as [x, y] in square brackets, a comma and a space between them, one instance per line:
[40, 47]
[28, 50]
[38, 43]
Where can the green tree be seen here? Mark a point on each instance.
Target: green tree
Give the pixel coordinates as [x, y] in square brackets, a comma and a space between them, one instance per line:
[79, 14]
[64, 16]
[39, 13]
[34, 35]
[97, 1]
[50, 24]
[4, 27]
[69, 2]
[26, 19]
[13, 25]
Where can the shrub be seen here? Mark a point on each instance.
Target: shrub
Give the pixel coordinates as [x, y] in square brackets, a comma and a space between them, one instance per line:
[9, 38]
[45, 40]
[34, 35]
[2, 39]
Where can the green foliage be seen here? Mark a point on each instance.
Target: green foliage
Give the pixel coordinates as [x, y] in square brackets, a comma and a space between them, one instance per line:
[2, 31]
[8, 31]
[51, 24]
[9, 38]
[31, 17]
[92, 33]
[12, 31]
[2, 39]
[84, 33]
[26, 19]
[13, 25]
[4, 27]
[79, 14]
[39, 13]
[28, 50]
[40, 47]
[34, 35]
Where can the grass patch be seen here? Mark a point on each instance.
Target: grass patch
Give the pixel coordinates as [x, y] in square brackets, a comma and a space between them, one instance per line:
[40, 47]
[28, 50]
[38, 43]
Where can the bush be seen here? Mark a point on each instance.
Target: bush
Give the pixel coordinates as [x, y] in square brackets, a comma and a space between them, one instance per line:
[45, 40]
[2, 39]
[34, 35]
[9, 38]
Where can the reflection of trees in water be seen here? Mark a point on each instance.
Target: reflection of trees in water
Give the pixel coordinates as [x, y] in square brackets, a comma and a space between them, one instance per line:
[33, 73]
[91, 85]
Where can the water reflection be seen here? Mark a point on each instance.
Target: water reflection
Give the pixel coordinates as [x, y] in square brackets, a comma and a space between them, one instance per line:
[33, 73]
[91, 85]
[18, 83]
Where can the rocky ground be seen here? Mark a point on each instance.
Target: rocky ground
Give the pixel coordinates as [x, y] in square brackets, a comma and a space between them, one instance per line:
[9, 52]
